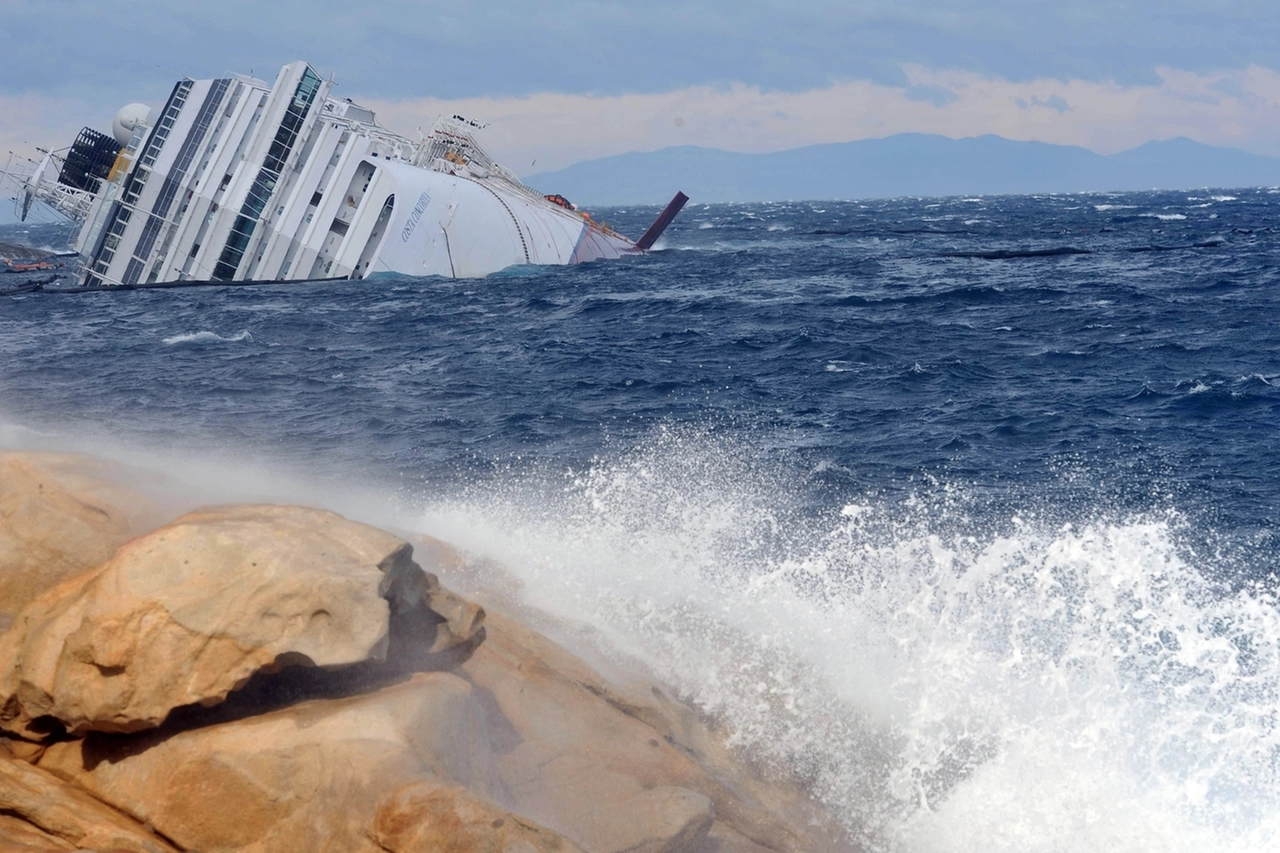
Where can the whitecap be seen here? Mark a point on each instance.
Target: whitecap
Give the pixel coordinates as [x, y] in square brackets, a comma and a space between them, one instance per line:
[203, 337]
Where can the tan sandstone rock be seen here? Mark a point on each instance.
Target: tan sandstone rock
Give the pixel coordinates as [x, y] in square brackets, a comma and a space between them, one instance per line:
[304, 778]
[59, 816]
[524, 726]
[190, 612]
[575, 745]
[616, 773]
[61, 514]
[428, 817]
[18, 836]
[340, 774]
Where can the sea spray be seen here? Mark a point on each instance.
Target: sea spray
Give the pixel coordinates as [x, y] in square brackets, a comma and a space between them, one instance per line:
[939, 678]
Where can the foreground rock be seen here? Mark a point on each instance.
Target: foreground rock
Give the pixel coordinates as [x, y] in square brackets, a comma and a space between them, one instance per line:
[190, 612]
[385, 767]
[619, 770]
[530, 732]
[48, 814]
[261, 679]
[427, 817]
[59, 515]
[303, 778]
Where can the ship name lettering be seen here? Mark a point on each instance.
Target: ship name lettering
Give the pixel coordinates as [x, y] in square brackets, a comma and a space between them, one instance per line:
[415, 216]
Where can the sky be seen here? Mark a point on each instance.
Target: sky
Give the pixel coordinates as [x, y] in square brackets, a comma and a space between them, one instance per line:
[578, 79]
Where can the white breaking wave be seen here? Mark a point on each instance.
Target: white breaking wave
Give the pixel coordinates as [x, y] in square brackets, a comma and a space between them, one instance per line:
[206, 338]
[940, 683]
[1165, 217]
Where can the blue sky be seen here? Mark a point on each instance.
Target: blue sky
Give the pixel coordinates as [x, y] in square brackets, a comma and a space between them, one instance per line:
[589, 78]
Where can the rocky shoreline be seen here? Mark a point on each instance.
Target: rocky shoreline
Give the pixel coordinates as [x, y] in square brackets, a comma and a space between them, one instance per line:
[275, 678]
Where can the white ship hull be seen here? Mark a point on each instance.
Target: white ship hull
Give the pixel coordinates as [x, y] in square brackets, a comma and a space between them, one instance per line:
[460, 227]
[238, 180]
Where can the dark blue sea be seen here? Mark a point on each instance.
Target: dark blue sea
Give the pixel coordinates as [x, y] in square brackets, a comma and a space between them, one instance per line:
[960, 511]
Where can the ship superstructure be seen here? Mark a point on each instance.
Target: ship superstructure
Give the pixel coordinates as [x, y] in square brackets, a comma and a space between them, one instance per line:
[235, 179]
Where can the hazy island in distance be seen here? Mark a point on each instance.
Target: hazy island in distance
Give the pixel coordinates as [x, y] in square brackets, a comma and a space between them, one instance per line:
[907, 164]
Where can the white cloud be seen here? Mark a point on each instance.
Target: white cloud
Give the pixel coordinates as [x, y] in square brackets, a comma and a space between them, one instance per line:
[1231, 108]
[1239, 108]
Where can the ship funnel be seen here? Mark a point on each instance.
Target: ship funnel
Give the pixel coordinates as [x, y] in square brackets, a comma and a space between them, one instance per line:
[660, 224]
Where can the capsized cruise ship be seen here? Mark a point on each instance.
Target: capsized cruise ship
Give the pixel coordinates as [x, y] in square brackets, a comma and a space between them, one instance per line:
[239, 180]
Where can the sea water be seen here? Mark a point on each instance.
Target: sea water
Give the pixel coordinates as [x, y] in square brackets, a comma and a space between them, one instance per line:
[961, 512]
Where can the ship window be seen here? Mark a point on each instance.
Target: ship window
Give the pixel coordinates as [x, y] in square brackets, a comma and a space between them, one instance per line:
[315, 198]
[226, 179]
[195, 247]
[264, 185]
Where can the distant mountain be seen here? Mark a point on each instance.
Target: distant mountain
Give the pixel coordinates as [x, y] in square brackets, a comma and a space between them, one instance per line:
[908, 164]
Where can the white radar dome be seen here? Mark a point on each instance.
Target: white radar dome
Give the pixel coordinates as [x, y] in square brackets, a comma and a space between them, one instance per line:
[126, 120]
